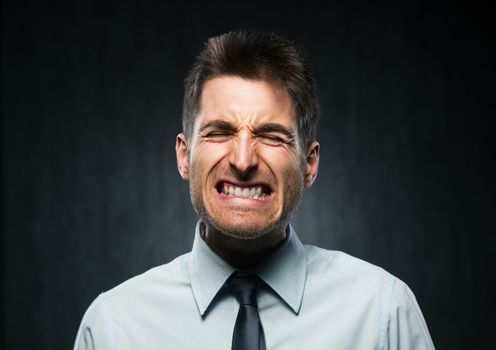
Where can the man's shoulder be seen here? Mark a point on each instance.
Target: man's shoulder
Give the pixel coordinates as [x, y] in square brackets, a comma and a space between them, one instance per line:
[366, 293]
[334, 264]
[132, 305]
[340, 276]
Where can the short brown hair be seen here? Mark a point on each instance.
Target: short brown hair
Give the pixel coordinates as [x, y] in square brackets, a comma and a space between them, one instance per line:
[255, 55]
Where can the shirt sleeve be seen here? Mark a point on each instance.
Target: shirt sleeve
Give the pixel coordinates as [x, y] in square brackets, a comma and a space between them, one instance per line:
[95, 330]
[407, 329]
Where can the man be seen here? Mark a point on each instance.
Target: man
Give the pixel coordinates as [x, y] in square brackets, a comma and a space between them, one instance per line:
[248, 150]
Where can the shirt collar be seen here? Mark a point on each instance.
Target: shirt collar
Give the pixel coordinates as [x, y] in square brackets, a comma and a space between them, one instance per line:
[207, 272]
[284, 271]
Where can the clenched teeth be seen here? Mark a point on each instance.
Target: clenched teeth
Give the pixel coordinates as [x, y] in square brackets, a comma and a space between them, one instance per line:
[244, 192]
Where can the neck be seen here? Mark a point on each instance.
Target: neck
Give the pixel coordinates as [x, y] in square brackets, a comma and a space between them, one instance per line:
[242, 253]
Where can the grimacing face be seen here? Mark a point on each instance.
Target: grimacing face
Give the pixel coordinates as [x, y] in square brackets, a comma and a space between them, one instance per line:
[245, 165]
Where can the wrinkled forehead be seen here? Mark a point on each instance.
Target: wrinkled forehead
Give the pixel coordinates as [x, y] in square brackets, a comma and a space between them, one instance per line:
[245, 101]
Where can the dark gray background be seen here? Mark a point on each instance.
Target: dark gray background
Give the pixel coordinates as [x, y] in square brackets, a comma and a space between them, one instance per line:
[91, 105]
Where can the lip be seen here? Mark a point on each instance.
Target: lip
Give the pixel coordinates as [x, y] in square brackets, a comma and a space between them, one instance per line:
[240, 201]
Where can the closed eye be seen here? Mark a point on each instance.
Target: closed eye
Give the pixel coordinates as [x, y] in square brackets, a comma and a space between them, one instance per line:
[218, 135]
[272, 140]
[275, 134]
[217, 130]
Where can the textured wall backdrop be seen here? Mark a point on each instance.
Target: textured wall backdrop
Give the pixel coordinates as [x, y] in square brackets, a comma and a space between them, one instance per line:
[91, 105]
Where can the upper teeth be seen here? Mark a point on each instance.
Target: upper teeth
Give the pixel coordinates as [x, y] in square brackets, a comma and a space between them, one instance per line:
[245, 192]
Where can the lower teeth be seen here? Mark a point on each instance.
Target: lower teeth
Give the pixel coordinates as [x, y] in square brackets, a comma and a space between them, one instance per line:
[263, 196]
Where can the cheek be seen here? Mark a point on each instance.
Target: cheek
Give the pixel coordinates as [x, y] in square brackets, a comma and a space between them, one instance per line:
[282, 161]
[206, 156]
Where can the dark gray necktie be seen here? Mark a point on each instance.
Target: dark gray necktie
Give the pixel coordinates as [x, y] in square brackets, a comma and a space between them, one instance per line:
[248, 332]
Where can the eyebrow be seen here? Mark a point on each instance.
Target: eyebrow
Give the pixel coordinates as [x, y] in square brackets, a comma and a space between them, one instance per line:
[266, 127]
[217, 124]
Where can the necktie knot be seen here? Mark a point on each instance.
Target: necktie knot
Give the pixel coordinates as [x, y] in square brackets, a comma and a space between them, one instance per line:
[244, 287]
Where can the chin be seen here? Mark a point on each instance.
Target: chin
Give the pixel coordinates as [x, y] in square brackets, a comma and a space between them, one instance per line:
[244, 232]
[244, 229]
[252, 229]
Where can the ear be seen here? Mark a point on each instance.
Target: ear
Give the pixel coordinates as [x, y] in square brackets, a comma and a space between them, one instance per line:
[182, 156]
[312, 163]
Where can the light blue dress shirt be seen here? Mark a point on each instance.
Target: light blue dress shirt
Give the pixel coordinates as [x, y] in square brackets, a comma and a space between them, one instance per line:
[318, 299]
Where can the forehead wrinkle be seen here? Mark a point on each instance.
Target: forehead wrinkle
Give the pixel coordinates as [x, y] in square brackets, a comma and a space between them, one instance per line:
[253, 121]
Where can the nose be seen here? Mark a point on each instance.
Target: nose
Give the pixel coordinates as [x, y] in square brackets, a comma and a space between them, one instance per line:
[243, 156]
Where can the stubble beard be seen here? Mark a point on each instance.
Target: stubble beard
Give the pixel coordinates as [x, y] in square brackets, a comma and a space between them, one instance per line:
[233, 226]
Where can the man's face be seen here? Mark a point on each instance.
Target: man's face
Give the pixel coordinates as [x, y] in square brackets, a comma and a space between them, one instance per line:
[245, 166]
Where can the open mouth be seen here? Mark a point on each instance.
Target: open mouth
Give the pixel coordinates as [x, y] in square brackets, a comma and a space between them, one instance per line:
[258, 191]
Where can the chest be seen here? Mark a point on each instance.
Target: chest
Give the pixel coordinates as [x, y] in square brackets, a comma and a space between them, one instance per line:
[326, 320]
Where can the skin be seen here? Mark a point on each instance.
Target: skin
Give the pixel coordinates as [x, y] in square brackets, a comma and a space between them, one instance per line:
[245, 136]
